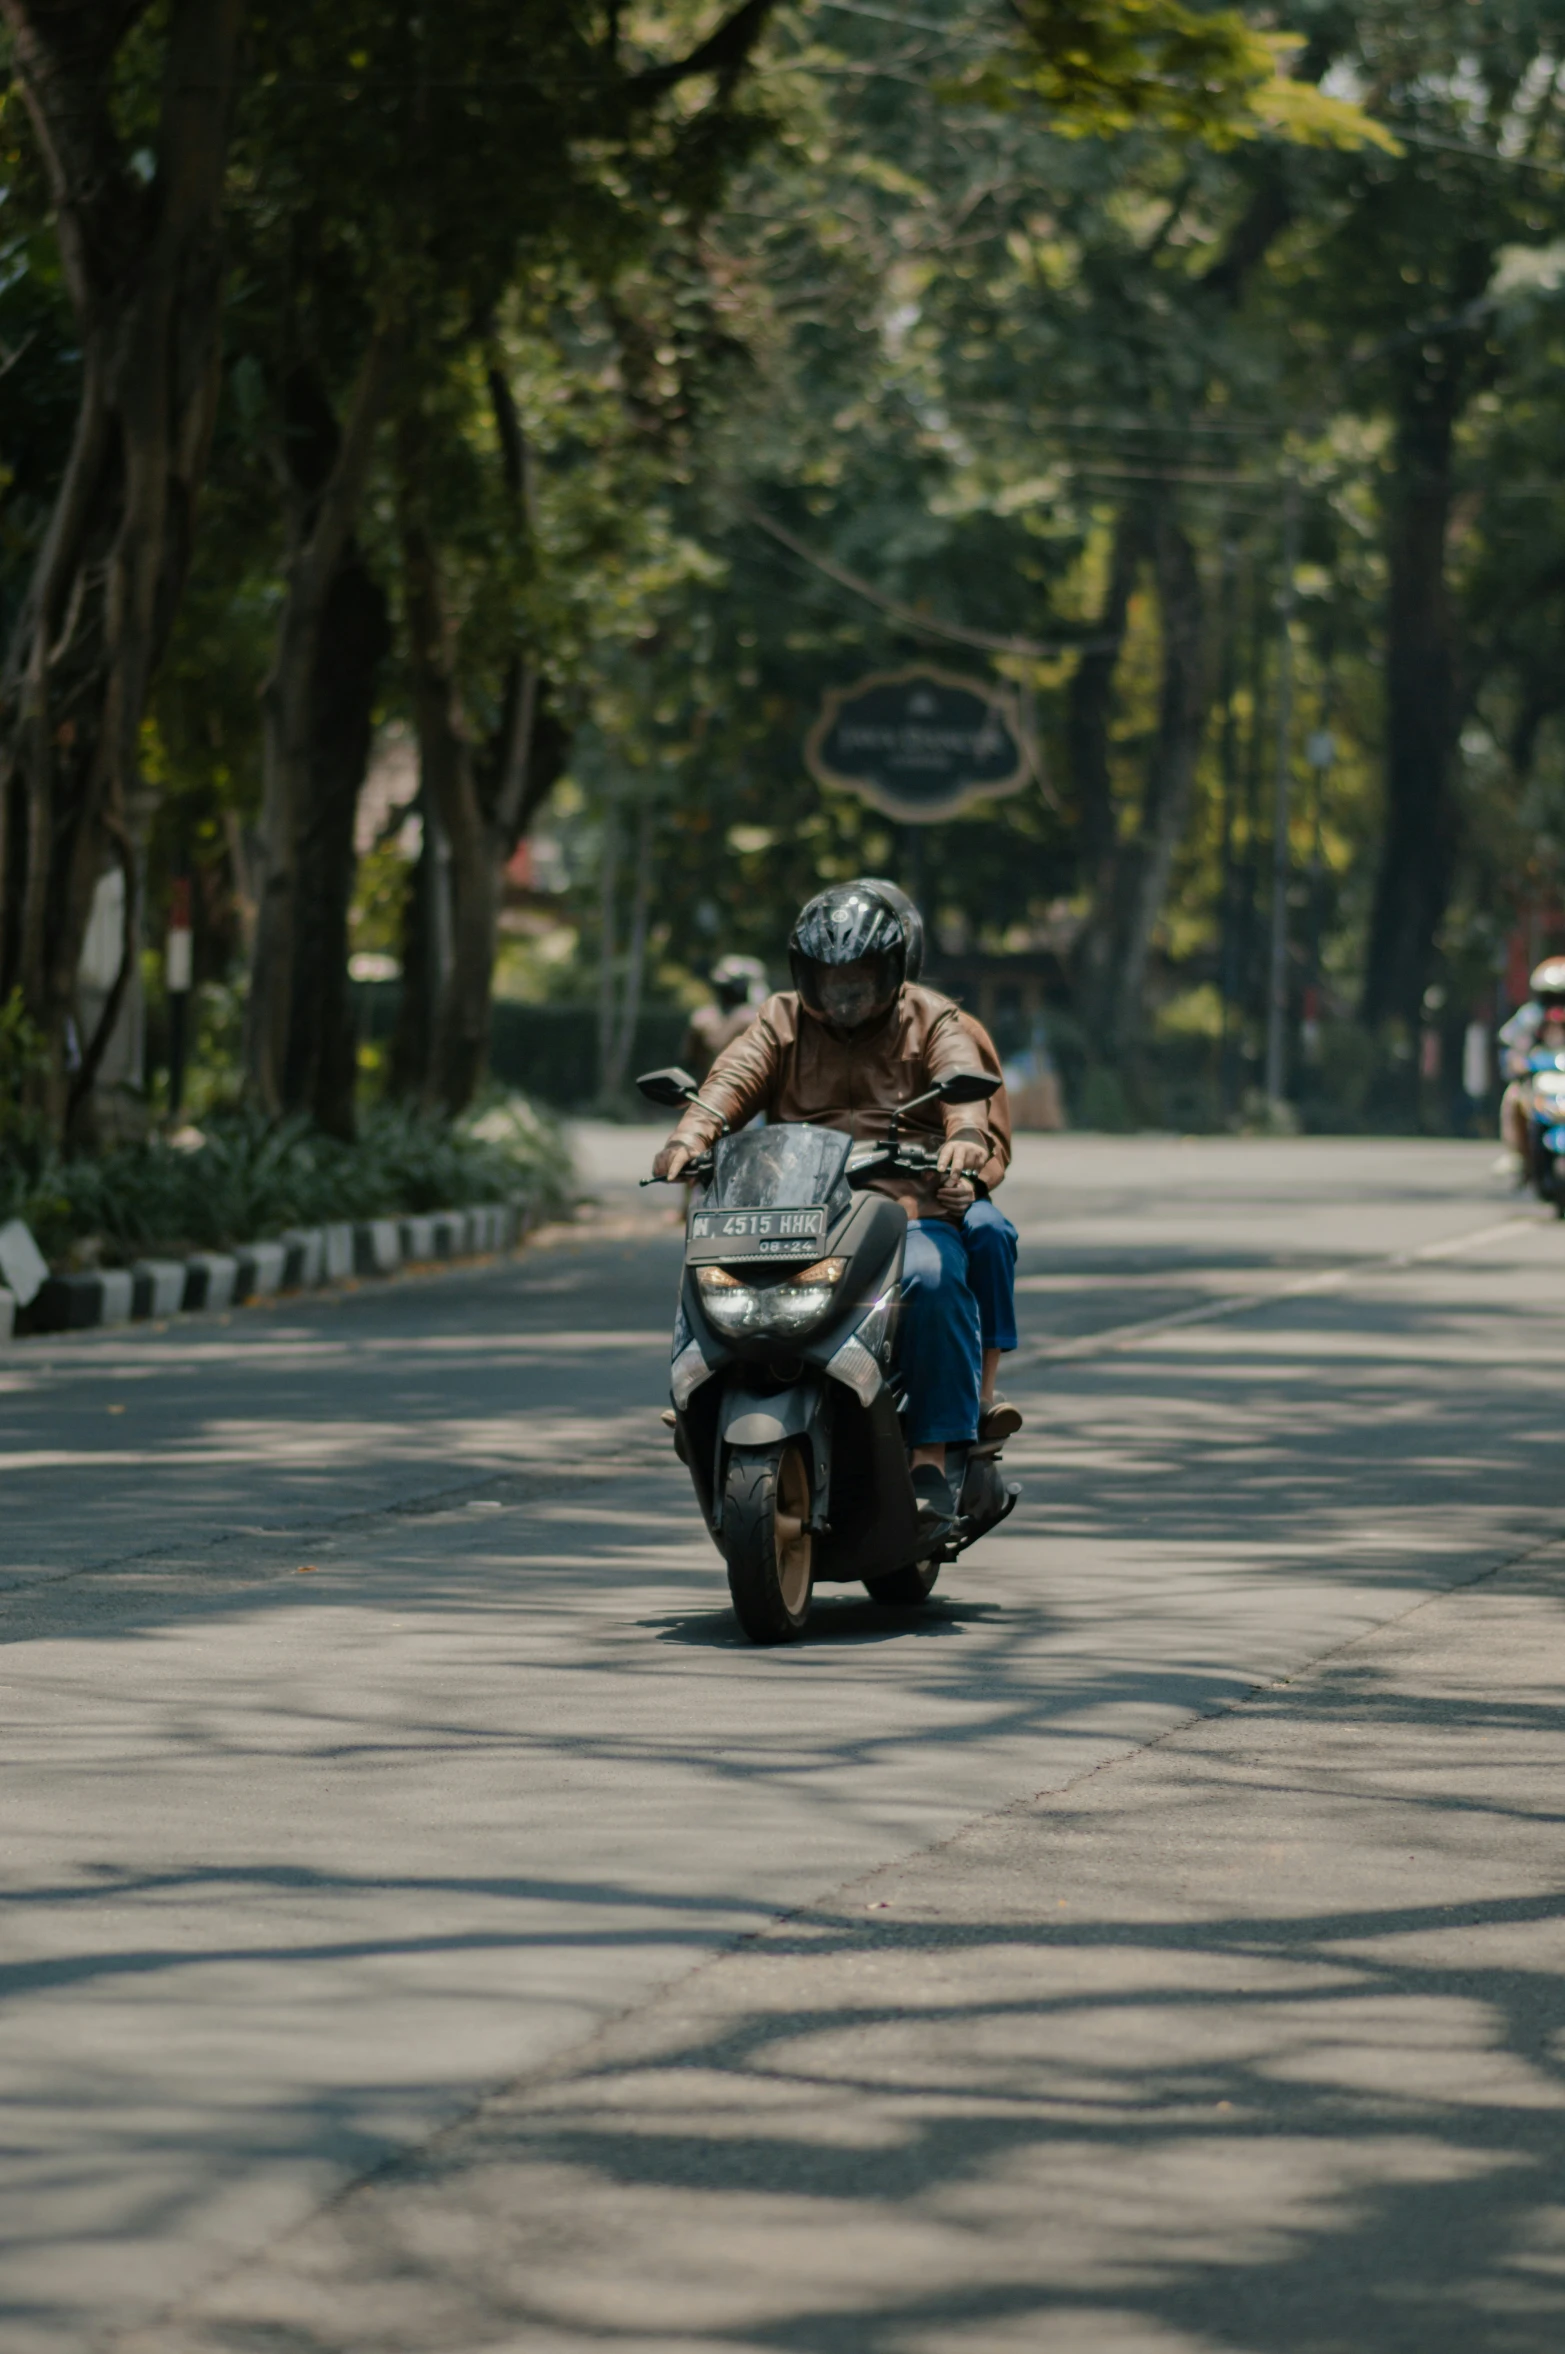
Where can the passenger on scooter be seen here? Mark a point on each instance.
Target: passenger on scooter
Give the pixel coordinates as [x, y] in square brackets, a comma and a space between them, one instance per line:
[987, 1233]
[738, 993]
[849, 1044]
[1538, 1027]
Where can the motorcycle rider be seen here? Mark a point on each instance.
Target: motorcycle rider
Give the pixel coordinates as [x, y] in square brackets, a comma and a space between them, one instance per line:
[849, 1043]
[987, 1233]
[1536, 1027]
[738, 985]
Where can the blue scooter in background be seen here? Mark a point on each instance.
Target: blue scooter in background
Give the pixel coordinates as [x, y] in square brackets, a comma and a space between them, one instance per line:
[1546, 1128]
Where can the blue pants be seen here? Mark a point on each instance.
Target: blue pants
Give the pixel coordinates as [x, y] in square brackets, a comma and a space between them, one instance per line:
[990, 1241]
[940, 1349]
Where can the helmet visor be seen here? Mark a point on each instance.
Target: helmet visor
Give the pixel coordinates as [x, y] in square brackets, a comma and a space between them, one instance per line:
[846, 996]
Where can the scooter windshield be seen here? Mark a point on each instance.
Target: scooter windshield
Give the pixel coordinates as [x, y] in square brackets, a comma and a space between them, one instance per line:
[781, 1168]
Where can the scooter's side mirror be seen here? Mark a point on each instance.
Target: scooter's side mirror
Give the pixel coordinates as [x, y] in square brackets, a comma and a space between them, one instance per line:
[967, 1087]
[672, 1088]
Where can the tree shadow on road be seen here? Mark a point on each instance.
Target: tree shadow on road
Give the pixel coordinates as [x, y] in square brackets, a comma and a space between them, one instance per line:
[1121, 2080]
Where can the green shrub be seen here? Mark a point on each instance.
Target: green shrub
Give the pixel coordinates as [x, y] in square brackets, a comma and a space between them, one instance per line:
[24, 1064]
[243, 1178]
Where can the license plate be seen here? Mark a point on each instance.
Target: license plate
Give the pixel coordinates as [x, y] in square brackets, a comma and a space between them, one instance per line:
[716, 1235]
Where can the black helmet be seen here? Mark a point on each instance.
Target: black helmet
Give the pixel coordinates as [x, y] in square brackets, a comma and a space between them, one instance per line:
[912, 922]
[738, 980]
[1548, 981]
[848, 954]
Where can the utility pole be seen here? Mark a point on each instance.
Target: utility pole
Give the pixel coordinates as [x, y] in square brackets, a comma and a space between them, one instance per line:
[1277, 1005]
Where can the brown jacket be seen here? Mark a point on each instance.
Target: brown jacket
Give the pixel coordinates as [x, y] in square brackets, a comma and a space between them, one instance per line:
[790, 1066]
[710, 1030]
[985, 1057]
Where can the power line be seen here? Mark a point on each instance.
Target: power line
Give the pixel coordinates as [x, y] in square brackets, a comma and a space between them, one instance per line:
[907, 616]
[895, 16]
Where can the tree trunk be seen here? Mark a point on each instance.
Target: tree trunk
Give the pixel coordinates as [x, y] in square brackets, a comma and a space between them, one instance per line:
[459, 1047]
[615, 1065]
[1252, 931]
[454, 812]
[320, 1064]
[1146, 867]
[1132, 881]
[1090, 702]
[1228, 769]
[1088, 723]
[321, 520]
[142, 265]
[321, 1070]
[409, 1059]
[1417, 848]
[608, 937]
[478, 798]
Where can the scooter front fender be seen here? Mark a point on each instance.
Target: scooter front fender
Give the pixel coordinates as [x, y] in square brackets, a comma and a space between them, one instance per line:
[750, 1420]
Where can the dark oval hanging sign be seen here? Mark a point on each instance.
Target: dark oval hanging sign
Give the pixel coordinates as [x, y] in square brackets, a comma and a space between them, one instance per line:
[920, 744]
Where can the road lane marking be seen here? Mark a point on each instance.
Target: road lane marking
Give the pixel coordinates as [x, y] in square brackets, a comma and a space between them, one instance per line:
[1126, 1336]
[1458, 1242]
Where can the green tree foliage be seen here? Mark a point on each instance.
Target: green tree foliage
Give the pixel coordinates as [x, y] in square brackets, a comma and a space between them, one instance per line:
[1021, 357]
[1195, 73]
[128, 111]
[598, 384]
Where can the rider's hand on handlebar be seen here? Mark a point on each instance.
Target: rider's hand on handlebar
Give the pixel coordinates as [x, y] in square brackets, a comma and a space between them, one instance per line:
[961, 1156]
[673, 1160]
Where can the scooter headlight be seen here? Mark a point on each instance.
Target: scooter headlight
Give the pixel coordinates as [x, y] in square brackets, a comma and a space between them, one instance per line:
[773, 1310]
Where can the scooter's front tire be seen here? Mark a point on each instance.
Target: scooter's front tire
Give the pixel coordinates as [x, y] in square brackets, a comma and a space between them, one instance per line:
[904, 1589]
[767, 1542]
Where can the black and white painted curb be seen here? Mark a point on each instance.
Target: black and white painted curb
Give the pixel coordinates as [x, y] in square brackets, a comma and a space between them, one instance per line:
[300, 1260]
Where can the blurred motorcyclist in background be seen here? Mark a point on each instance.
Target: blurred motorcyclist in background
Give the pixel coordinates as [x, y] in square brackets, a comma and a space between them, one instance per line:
[987, 1233]
[852, 1042]
[738, 985]
[1538, 1027]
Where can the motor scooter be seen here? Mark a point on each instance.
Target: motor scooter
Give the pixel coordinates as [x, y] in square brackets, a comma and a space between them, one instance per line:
[1546, 1127]
[788, 1399]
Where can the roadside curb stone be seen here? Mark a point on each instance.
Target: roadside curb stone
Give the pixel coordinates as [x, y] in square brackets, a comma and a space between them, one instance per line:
[78, 1303]
[418, 1237]
[157, 1287]
[258, 1270]
[209, 1279]
[337, 1252]
[377, 1249]
[486, 1228]
[304, 1259]
[301, 1259]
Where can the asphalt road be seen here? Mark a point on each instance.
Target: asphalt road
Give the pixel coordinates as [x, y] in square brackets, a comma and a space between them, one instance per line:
[1154, 1945]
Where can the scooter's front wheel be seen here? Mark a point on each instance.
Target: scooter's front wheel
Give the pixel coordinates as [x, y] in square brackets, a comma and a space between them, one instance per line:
[767, 1542]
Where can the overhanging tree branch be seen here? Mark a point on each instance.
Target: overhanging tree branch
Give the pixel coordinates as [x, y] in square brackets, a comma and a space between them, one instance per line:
[725, 52]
